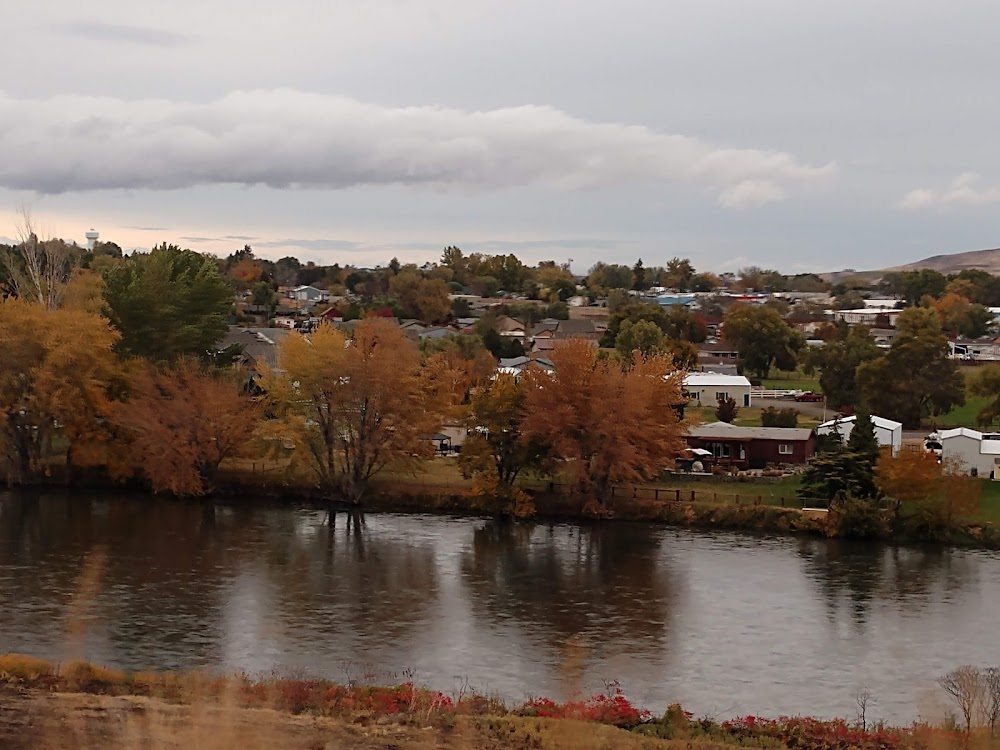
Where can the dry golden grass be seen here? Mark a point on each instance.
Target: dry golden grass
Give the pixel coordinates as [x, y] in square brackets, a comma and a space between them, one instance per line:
[60, 721]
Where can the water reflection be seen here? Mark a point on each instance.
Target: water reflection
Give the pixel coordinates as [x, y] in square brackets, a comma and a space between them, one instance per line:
[720, 622]
[857, 576]
[582, 583]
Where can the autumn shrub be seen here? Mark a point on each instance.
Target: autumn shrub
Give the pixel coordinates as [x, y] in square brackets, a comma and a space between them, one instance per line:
[610, 707]
[85, 677]
[803, 733]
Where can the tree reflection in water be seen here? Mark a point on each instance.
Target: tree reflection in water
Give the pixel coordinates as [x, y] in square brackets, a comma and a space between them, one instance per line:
[859, 574]
[586, 591]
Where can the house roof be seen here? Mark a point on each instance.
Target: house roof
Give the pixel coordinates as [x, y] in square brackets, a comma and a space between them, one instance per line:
[725, 431]
[576, 327]
[711, 379]
[507, 324]
[960, 432]
[710, 347]
[885, 424]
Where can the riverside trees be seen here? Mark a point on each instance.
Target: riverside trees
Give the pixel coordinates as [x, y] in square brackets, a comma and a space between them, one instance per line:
[606, 422]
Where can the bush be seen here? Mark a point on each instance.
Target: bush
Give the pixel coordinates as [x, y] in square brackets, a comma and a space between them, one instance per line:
[727, 409]
[857, 519]
[23, 667]
[774, 417]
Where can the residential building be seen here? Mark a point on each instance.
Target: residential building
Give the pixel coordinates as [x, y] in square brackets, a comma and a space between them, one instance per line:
[308, 294]
[975, 452]
[977, 350]
[889, 433]
[717, 356]
[869, 316]
[706, 388]
[517, 366]
[752, 447]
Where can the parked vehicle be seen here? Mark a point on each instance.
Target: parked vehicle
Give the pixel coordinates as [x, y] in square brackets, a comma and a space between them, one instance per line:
[809, 396]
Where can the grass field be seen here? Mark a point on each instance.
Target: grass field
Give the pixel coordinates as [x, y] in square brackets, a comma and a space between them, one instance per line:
[747, 416]
[796, 381]
[961, 416]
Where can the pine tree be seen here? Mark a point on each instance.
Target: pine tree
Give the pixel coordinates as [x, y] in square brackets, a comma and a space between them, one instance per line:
[862, 440]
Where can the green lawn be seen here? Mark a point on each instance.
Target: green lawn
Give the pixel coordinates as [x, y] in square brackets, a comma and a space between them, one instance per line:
[794, 381]
[960, 416]
[989, 509]
[747, 416]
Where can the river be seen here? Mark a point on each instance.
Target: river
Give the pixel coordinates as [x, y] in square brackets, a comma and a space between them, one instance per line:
[723, 623]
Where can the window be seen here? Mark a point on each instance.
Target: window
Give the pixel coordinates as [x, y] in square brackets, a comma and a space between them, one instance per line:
[721, 395]
[785, 449]
[720, 450]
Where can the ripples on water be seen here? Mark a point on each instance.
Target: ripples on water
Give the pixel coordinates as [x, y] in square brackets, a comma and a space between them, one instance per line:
[723, 623]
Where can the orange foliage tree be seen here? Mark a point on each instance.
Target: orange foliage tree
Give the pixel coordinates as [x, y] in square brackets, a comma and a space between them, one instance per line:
[55, 376]
[930, 496]
[182, 421]
[354, 407]
[608, 424]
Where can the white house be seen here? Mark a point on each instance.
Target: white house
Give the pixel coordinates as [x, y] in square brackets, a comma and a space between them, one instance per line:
[976, 452]
[308, 294]
[706, 388]
[887, 432]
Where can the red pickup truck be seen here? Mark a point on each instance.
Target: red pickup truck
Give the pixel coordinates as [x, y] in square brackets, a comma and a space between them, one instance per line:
[809, 396]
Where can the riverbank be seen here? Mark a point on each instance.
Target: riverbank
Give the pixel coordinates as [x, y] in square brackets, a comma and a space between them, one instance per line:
[762, 504]
[79, 705]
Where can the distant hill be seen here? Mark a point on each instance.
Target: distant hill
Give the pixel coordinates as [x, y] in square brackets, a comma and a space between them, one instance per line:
[986, 260]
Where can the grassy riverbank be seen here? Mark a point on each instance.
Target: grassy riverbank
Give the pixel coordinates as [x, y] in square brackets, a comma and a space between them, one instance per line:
[79, 705]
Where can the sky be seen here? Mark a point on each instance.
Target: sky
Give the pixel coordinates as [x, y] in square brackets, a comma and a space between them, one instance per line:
[803, 136]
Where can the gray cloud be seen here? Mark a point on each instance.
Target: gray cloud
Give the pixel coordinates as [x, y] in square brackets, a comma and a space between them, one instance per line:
[115, 32]
[239, 237]
[148, 229]
[287, 138]
[312, 244]
[965, 190]
[197, 240]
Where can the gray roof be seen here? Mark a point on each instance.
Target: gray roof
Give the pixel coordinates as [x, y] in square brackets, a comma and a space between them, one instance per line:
[260, 344]
[569, 328]
[723, 431]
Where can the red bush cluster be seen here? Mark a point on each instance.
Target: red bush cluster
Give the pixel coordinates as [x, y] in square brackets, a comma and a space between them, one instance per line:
[611, 708]
[803, 733]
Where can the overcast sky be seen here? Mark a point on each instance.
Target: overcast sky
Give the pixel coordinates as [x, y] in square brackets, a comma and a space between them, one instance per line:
[798, 135]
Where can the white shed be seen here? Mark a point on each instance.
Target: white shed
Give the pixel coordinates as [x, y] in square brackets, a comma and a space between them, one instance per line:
[975, 451]
[887, 432]
[706, 388]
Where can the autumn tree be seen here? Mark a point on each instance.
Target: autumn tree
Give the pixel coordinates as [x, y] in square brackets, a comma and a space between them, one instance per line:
[182, 421]
[421, 298]
[608, 425]
[56, 375]
[929, 497]
[606, 276]
[762, 338]
[497, 449]
[916, 378]
[354, 407]
[167, 303]
[960, 316]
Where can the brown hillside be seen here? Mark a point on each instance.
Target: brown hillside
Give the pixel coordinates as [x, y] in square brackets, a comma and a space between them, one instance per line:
[986, 260]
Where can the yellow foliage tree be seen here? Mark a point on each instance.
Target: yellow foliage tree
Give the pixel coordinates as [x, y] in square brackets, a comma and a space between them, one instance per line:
[356, 406]
[608, 425]
[55, 375]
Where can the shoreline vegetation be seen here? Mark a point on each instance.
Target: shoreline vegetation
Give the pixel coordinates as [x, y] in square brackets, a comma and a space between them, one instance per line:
[46, 706]
[757, 505]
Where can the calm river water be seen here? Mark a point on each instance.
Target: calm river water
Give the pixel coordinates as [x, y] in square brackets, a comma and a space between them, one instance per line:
[723, 623]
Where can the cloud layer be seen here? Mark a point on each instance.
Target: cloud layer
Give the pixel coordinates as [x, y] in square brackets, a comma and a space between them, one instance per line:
[286, 138]
[965, 190]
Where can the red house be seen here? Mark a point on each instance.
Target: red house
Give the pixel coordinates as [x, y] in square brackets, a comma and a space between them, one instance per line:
[752, 447]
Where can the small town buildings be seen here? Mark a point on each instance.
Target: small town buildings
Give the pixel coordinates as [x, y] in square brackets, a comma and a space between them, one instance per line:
[308, 294]
[717, 356]
[869, 316]
[888, 432]
[976, 350]
[706, 388]
[752, 447]
[976, 453]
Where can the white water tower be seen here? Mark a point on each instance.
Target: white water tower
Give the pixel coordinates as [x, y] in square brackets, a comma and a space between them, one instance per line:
[91, 236]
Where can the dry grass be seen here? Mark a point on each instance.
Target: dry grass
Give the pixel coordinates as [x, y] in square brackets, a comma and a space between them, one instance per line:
[59, 721]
